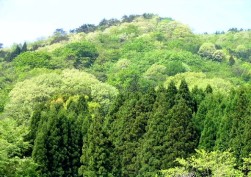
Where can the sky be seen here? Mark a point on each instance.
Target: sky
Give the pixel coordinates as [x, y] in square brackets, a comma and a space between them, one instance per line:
[29, 20]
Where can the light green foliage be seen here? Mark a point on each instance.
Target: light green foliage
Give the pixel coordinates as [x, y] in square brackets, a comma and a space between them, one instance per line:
[175, 67]
[201, 80]
[240, 48]
[207, 50]
[137, 137]
[29, 60]
[12, 147]
[43, 87]
[83, 54]
[122, 64]
[242, 70]
[177, 35]
[219, 55]
[124, 75]
[175, 29]
[142, 44]
[215, 164]
[247, 166]
[175, 172]
[156, 73]
[233, 40]
[12, 138]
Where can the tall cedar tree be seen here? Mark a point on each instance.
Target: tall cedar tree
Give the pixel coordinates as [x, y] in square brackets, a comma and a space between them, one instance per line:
[223, 134]
[144, 108]
[152, 150]
[234, 128]
[58, 143]
[181, 137]
[96, 151]
[24, 47]
[34, 127]
[123, 137]
[208, 118]
[186, 95]
[239, 115]
[134, 109]
[208, 135]
[110, 128]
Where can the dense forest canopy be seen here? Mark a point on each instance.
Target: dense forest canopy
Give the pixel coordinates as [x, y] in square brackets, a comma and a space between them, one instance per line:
[140, 96]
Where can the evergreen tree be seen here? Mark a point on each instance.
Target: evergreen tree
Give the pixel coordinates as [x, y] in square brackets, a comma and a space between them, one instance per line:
[239, 116]
[152, 151]
[208, 135]
[181, 138]
[59, 139]
[208, 89]
[198, 95]
[123, 138]
[34, 127]
[186, 95]
[232, 131]
[96, 150]
[231, 61]
[171, 94]
[208, 120]
[110, 128]
[223, 134]
[14, 53]
[24, 48]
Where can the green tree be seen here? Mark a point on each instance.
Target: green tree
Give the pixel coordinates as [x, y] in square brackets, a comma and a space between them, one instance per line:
[59, 140]
[24, 47]
[153, 147]
[15, 52]
[239, 117]
[33, 60]
[231, 60]
[181, 138]
[207, 50]
[124, 139]
[59, 35]
[203, 163]
[185, 94]
[97, 150]
[83, 54]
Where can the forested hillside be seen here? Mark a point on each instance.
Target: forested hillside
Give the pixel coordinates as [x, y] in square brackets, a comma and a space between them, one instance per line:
[140, 96]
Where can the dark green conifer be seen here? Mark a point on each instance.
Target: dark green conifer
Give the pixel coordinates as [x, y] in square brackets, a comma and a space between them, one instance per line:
[24, 47]
[231, 61]
[208, 89]
[181, 138]
[239, 115]
[96, 150]
[152, 150]
[59, 139]
[184, 93]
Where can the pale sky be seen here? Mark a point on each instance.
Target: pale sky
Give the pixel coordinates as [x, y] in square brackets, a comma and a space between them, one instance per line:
[28, 20]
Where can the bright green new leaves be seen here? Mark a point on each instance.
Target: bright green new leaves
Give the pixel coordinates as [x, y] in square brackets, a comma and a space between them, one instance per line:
[29, 60]
[207, 50]
[83, 54]
[25, 95]
[12, 148]
[215, 164]
[201, 80]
